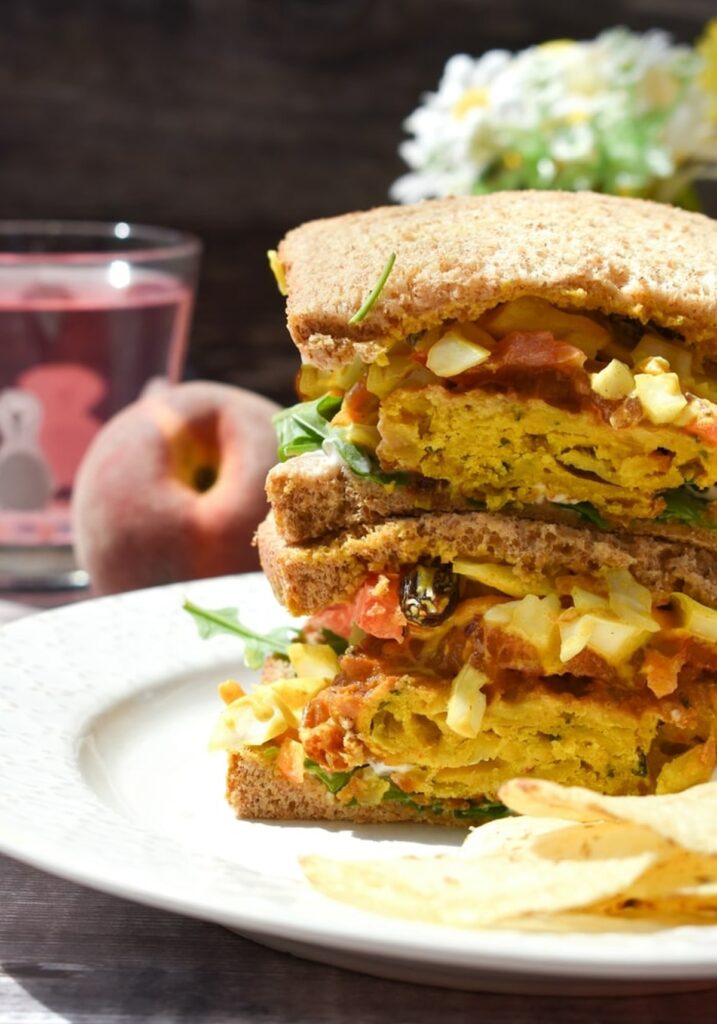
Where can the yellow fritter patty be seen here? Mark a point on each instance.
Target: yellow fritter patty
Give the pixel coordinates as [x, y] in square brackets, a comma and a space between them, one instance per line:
[502, 449]
[596, 737]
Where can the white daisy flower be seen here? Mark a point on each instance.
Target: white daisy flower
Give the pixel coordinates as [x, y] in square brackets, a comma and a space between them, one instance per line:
[626, 112]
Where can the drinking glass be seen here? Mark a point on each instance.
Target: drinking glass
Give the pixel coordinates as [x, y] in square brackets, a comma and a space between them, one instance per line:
[91, 315]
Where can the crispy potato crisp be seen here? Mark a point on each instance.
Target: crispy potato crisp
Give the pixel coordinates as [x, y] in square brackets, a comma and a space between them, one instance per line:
[580, 862]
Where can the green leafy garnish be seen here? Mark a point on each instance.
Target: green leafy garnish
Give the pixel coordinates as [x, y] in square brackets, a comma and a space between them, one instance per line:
[334, 781]
[363, 312]
[486, 811]
[393, 793]
[338, 644]
[683, 506]
[587, 511]
[257, 646]
[306, 427]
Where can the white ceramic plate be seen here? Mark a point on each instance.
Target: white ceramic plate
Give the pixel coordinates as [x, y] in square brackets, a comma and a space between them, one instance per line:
[105, 710]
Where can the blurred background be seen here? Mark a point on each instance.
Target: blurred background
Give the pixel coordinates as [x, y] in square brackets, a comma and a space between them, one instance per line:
[238, 119]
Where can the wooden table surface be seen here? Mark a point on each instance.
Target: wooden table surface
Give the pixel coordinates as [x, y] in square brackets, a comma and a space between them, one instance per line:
[70, 954]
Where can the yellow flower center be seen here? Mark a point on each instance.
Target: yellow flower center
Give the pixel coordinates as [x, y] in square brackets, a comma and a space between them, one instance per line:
[577, 117]
[556, 45]
[512, 160]
[475, 97]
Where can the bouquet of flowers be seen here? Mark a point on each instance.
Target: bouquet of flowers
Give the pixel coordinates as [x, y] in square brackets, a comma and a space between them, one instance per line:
[628, 113]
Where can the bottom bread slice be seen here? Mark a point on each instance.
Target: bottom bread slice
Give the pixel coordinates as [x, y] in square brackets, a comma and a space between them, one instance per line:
[256, 790]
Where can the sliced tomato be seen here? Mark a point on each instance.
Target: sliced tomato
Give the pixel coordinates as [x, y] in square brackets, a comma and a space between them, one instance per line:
[377, 608]
[337, 617]
[535, 363]
[535, 350]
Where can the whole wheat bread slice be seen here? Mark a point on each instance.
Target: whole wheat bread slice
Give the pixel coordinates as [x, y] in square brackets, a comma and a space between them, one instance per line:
[308, 577]
[313, 497]
[457, 257]
[256, 790]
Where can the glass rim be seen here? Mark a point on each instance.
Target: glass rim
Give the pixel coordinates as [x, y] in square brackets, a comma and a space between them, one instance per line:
[161, 243]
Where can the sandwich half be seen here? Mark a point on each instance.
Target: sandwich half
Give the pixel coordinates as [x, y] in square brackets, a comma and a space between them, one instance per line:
[496, 506]
[554, 354]
[448, 653]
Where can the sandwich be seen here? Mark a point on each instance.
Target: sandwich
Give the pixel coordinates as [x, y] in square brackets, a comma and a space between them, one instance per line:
[548, 352]
[496, 508]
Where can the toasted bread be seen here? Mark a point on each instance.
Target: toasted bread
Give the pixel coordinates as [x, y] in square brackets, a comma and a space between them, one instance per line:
[308, 577]
[457, 257]
[313, 497]
[256, 790]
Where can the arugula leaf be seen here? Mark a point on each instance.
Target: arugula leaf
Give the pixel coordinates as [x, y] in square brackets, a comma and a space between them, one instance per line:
[334, 781]
[587, 511]
[338, 644]
[395, 793]
[365, 309]
[683, 506]
[257, 646]
[306, 428]
[486, 811]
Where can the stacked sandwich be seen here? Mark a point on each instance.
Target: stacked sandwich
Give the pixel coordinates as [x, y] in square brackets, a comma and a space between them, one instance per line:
[497, 507]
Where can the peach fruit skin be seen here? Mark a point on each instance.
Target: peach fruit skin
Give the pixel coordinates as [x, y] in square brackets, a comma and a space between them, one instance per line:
[172, 487]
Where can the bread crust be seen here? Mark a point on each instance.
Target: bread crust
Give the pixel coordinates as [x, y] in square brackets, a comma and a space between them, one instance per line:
[313, 497]
[256, 790]
[308, 577]
[457, 257]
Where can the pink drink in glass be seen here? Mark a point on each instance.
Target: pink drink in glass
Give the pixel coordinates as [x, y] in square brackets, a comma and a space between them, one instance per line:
[78, 341]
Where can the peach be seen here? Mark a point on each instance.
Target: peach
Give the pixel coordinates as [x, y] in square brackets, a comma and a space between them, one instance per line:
[172, 487]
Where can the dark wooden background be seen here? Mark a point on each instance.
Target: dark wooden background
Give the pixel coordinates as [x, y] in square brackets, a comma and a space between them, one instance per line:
[238, 119]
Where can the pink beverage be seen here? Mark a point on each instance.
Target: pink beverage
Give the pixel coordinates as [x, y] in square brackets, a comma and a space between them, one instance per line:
[80, 338]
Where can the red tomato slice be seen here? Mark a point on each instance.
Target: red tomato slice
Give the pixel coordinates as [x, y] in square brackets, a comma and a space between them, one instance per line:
[337, 617]
[535, 350]
[377, 608]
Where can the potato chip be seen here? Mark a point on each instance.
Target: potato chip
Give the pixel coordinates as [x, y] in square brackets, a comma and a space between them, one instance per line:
[682, 871]
[679, 888]
[688, 819]
[584, 862]
[513, 833]
[698, 900]
[554, 871]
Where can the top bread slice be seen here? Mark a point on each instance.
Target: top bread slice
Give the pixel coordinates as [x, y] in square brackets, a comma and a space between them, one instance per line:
[457, 257]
